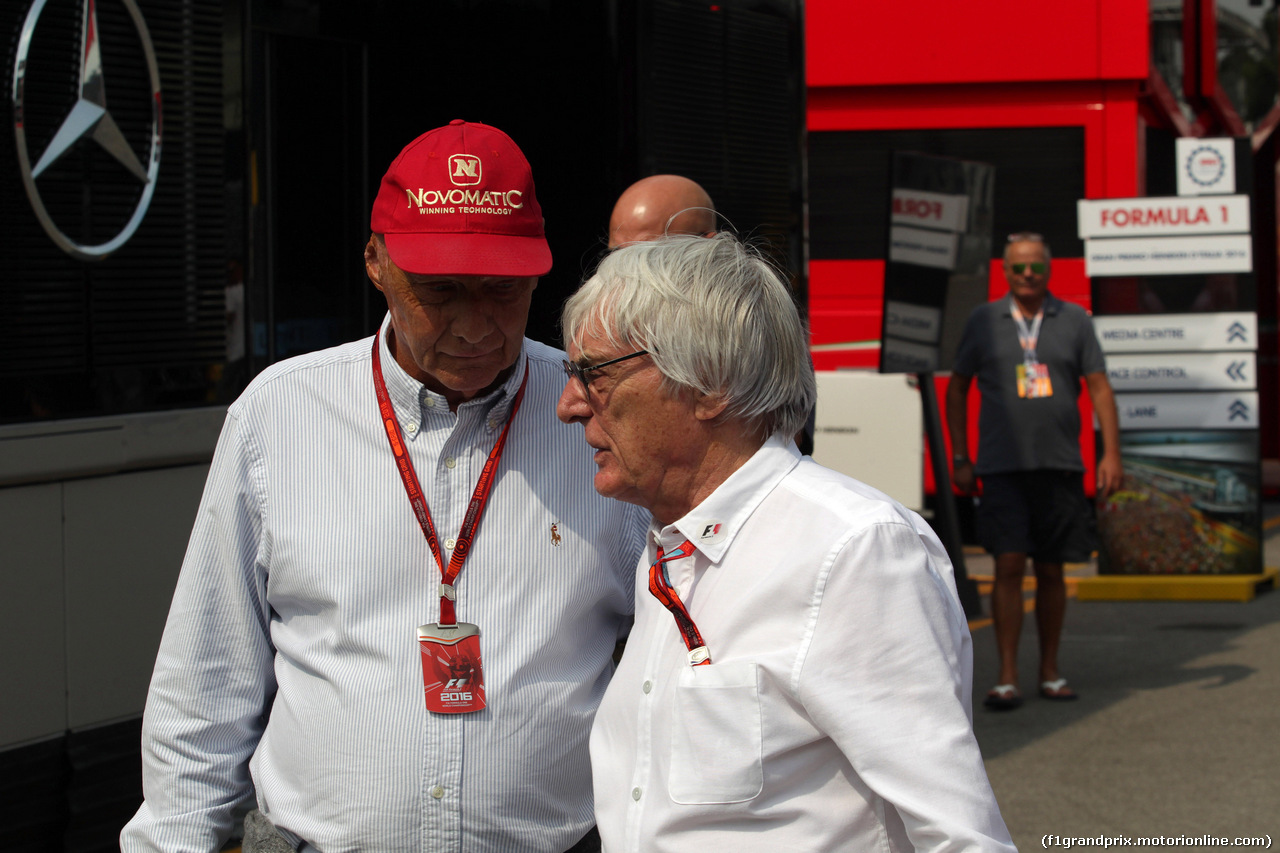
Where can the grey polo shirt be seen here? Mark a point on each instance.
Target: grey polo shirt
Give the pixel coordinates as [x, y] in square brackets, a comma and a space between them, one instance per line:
[1017, 433]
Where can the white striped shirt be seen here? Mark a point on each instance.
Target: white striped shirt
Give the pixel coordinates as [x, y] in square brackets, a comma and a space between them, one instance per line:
[307, 576]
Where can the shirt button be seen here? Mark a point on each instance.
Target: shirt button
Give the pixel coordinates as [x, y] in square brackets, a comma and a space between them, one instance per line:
[635, 794]
[648, 685]
[411, 428]
[437, 792]
[493, 424]
[430, 402]
[449, 462]
[449, 543]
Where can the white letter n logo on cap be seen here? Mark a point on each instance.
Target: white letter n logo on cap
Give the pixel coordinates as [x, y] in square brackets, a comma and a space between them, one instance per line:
[464, 170]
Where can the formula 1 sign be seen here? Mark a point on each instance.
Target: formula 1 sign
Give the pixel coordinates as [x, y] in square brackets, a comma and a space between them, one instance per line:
[941, 211]
[1166, 235]
[937, 258]
[1170, 275]
[1150, 217]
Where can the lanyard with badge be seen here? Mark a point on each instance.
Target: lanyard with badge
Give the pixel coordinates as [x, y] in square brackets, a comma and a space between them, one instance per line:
[660, 586]
[452, 677]
[1033, 377]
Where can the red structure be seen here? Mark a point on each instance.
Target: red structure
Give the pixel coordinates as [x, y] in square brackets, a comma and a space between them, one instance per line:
[1065, 99]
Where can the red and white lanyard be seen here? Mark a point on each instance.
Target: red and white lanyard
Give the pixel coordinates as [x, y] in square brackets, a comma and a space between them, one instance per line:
[475, 509]
[660, 586]
[1028, 336]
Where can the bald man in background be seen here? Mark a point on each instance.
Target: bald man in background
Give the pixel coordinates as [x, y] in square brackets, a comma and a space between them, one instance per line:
[658, 205]
[661, 205]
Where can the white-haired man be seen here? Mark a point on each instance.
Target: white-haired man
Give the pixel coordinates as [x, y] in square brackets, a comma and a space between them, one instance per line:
[799, 673]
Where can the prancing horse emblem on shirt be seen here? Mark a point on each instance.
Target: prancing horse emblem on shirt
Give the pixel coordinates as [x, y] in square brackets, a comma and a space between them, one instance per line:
[87, 117]
[555, 533]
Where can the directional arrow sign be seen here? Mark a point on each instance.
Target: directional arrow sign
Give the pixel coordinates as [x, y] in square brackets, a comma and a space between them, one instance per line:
[1212, 410]
[1185, 371]
[1229, 330]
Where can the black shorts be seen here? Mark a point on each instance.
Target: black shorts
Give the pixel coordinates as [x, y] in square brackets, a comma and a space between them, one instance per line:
[1042, 513]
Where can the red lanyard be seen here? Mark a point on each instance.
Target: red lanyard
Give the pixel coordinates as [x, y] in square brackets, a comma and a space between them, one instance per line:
[660, 586]
[478, 499]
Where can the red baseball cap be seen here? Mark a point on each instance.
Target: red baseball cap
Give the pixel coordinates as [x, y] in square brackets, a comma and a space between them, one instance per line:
[459, 200]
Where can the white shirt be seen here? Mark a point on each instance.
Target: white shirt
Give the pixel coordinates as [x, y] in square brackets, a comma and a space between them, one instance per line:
[835, 715]
[307, 576]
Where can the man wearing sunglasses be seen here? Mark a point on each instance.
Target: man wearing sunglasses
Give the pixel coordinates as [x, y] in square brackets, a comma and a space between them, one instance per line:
[1030, 351]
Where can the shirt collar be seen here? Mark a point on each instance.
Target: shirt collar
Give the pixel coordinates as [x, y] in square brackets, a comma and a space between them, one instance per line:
[1051, 306]
[405, 391]
[713, 524]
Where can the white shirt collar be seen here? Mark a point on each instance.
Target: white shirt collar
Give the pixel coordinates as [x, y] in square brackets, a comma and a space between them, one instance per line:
[713, 524]
[405, 391]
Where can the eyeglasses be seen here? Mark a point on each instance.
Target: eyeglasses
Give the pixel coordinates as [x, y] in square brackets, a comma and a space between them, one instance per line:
[1036, 267]
[582, 372]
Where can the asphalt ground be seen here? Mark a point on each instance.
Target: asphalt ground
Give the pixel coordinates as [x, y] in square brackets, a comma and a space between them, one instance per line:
[1174, 736]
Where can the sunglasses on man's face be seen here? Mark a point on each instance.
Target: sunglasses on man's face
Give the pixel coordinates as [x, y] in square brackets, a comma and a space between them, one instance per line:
[1036, 267]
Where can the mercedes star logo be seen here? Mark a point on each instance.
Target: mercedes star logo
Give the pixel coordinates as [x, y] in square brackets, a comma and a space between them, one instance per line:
[88, 117]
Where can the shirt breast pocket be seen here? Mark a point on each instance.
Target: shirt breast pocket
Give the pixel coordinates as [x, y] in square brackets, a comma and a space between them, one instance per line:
[716, 740]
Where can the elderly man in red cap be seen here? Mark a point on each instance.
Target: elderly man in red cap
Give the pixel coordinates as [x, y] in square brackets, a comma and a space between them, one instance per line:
[398, 607]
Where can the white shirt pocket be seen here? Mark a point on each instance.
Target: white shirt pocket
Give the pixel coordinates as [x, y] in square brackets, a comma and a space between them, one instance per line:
[716, 750]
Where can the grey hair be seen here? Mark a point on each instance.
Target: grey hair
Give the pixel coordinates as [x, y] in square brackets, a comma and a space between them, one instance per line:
[716, 316]
[1027, 237]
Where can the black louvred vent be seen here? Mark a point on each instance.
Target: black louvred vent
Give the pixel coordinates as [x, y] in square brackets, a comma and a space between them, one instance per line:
[145, 328]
